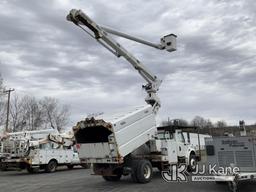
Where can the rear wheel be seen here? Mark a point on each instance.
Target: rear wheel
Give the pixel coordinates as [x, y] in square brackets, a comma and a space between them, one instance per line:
[51, 166]
[142, 171]
[134, 170]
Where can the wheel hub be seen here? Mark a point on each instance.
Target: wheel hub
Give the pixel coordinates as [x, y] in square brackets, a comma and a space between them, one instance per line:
[147, 171]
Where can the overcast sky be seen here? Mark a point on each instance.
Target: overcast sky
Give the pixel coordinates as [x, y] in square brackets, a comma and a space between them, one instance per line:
[212, 74]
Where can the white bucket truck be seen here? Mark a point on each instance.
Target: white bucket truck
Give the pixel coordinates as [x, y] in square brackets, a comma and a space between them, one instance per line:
[128, 142]
[35, 150]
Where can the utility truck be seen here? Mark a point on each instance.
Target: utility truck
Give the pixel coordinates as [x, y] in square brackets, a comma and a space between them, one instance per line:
[34, 150]
[128, 141]
[236, 154]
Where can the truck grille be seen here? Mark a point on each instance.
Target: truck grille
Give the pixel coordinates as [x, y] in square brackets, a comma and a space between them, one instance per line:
[225, 158]
[244, 158]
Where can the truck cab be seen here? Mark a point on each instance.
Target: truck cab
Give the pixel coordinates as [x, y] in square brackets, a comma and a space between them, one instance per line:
[176, 147]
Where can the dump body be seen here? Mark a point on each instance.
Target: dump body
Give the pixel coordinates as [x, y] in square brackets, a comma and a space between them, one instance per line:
[129, 142]
[109, 138]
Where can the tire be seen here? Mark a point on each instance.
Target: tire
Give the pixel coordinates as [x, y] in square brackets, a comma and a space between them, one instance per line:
[70, 166]
[143, 172]
[192, 163]
[134, 165]
[112, 178]
[51, 166]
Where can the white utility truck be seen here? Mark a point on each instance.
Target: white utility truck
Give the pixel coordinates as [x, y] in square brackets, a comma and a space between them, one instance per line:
[128, 141]
[34, 150]
[232, 153]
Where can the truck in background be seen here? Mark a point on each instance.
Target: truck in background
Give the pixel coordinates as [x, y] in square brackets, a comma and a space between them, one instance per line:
[37, 150]
[232, 153]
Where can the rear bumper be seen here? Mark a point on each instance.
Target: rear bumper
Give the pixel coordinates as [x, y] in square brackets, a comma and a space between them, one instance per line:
[107, 169]
[15, 163]
[20, 165]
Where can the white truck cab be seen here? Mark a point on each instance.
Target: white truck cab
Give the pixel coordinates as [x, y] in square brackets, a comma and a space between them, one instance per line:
[177, 149]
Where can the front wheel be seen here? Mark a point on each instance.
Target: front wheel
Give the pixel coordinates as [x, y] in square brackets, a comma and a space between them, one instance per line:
[51, 166]
[192, 163]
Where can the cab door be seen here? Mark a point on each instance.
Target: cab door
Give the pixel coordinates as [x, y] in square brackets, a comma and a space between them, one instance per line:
[60, 153]
[69, 154]
[43, 153]
[181, 145]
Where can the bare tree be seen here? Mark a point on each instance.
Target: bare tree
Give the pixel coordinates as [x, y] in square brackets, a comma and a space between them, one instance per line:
[2, 103]
[221, 124]
[209, 124]
[28, 113]
[200, 122]
[2, 114]
[32, 112]
[15, 111]
[178, 122]
[24, 113]
[55, 115]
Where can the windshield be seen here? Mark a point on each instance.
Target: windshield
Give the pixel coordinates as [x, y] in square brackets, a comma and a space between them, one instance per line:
[164, 135]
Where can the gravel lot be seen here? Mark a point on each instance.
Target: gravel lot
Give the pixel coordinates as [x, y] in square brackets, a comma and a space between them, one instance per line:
[81, 180]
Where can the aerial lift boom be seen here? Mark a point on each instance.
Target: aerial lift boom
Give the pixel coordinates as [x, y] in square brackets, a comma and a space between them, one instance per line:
[101, 34]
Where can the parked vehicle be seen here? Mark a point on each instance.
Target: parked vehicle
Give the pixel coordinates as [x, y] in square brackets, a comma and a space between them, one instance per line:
[233, 152]
[35, 150]
[128, 142]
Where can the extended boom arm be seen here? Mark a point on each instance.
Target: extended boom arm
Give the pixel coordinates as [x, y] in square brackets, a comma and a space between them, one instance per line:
[101, 35]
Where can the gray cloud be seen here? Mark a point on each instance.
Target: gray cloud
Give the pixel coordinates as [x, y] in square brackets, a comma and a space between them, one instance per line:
[212, 74]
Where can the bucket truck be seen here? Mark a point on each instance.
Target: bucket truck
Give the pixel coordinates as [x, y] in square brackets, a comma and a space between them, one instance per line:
[35, 150]
[128, 141]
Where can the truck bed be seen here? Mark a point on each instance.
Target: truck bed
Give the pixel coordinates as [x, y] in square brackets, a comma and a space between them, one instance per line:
[110, 137]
